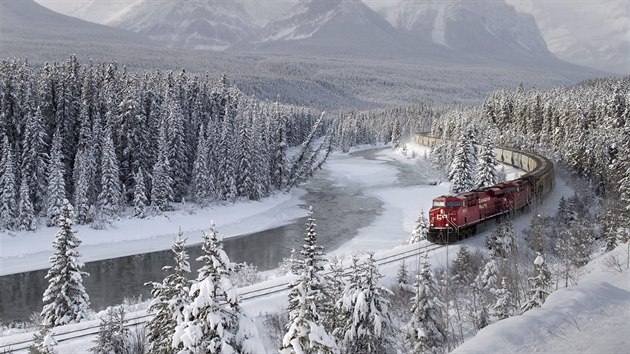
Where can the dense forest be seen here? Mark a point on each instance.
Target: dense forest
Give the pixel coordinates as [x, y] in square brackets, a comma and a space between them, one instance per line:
[105, 138]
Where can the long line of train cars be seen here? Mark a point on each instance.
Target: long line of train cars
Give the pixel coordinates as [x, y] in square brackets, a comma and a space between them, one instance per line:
[455, 217]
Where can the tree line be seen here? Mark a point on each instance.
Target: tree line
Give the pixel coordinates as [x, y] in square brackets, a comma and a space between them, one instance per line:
[106, 138]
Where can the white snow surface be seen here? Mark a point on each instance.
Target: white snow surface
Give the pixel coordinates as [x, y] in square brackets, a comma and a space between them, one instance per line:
[26, 251]
[592, 317]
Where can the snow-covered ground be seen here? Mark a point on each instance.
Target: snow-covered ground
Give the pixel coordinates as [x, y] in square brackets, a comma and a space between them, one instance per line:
[26, 251]
[592, 317]
[386, 234]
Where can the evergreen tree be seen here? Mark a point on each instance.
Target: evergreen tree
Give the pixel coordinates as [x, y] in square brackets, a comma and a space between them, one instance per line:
[539, 284]
[26, 214]
[504, 306]
[110, 198]
[43, 342]
[65, 298]
[139, 195]
[487, 168]
[402, 277]
[34, 158]
[213, 322]
[279, 146]
[201, 186]
[162, 191]
[364, 305]
[307, 302]
[396, 135]
[82, 186]
[8, 197]
[426, 331]
[463, 166]
[56, 182]
[420, 230]
[169, 300]
[113, 336]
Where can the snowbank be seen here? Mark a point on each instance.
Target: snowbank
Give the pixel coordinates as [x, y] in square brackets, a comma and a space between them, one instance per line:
[26, 251]
[592, 317]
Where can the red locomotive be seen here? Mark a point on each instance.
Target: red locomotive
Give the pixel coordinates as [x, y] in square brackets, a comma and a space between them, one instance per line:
[456, 217]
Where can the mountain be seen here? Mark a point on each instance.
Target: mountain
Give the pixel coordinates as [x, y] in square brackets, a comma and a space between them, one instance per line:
[593, 33]
[487, 28]
[29, 28]
[194, 24]
[337, 27]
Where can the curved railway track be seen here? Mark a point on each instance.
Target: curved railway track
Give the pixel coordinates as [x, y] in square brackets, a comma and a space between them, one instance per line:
[74, 334]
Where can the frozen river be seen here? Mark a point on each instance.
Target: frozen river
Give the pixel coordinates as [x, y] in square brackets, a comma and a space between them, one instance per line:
[342, 204]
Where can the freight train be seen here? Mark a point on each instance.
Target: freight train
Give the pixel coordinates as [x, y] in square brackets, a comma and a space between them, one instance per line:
[455, 217]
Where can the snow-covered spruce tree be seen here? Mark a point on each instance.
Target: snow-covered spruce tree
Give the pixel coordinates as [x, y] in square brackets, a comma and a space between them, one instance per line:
[161, 188]
[539, 285]
[364, 306]
[34, 158]
[201, 172]
[110, 198]
[139, 194]
[485, 286]
[309, 302]
[336, 283]
[502, 240]
[536, 233]
[65, 299]
[504, 306]
[213, 322]
[462, 169]
[169, 299]
[402, 276]
[82, 186]
[487, 168]
[56, 183]
[426, 331]
[8, 197]
[396, 134]
[26, 220]
[43, 342]
[420, 230]
[113, 336]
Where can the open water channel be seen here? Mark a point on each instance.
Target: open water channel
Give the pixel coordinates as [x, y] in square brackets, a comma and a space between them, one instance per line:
[340, 211]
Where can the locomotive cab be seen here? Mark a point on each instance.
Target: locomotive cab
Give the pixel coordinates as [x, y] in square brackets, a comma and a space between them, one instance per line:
[443, 221]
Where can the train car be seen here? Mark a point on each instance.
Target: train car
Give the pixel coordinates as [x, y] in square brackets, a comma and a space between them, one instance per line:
[455, 217]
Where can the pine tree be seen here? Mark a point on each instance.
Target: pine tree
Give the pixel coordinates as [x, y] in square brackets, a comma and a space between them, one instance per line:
[8, 197]
[420, 230]
[139, 195]
[279, 146]
[426, 331]
[56, 182]
[213, 322]
[162, 191]
[487, 168]
[82, 187]
[201, 186]
[113, 336]
[34, 158]
[65, 298]
[538, 285]
[307, 302]
[402, 277]
[169, 300]
[503, 307]
[396, 135]
[463, 166]
[364, 305]
[26, 214]
[43, 342]
[110, 198]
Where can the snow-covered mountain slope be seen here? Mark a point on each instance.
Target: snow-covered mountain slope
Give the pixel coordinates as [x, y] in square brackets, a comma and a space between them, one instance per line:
[489, 28]
[196, 24]
[24, 23]
[593, 33]
[337, 26]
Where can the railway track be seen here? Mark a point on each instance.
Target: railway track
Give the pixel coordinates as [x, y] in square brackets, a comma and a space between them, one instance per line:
[74, 334]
